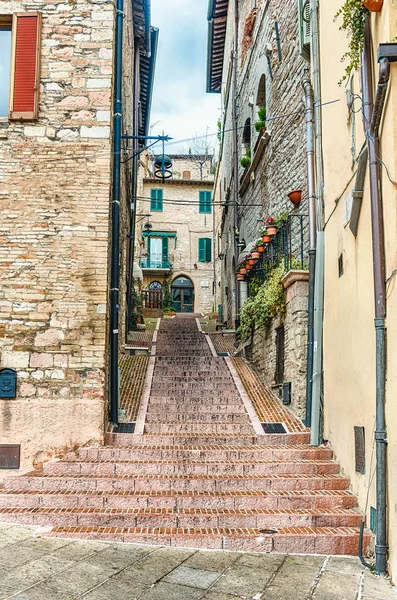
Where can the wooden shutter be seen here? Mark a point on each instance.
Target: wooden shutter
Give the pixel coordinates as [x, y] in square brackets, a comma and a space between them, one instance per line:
[205, 201]
[165, 250]
[159, 199]
[208, 249]
[25, 70]
[202, 250]
[156, 199]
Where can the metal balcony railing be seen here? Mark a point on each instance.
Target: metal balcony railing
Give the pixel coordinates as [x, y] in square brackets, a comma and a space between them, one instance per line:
[155, 261]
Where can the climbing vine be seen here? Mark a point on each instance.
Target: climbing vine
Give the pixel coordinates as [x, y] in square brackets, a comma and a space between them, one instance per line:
[354, 14]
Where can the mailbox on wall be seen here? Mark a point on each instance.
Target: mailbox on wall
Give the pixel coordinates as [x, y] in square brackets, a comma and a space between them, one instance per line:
[8, 383]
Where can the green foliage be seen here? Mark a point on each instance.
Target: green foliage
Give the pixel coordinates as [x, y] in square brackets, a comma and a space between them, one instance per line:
[281, 219]
[255, 283]
[354, 15]
[268, 302]
[219, 132]
[134, 314]
[245, 162]
[261, 122]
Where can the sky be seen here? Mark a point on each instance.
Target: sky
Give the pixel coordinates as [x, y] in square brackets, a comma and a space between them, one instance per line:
[180, 102]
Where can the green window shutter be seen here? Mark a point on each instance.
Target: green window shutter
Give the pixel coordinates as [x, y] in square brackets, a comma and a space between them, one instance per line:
[205, 202]
[156, 200]
[304, 14]
[208, 250]
[165, 250]
[202, 250]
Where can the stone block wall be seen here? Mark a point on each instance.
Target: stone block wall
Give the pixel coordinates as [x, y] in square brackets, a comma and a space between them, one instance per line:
[54, 236]
[262, 348]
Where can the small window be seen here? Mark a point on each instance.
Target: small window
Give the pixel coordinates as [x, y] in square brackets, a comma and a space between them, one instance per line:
[261, 94]
[186, 175]
[341, 269]
[205, 202]
[304, 15]
[156, 200]
[205, 250]
[280, 343]
[247, 134]
[5, 66]
[155, 285]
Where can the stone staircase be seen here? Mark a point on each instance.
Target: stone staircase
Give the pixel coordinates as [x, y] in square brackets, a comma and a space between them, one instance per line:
[199, 476]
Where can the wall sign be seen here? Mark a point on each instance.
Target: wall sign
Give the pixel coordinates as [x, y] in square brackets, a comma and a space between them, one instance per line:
[8, 383]
[10, 456]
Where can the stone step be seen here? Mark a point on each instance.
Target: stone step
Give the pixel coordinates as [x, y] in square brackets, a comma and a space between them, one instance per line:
[206, 395]
[205, 386]
[197, 518]
[222, 453]
[218, 405]
[194, 468]
[164, 483]
[277, 439]
[178, 500]
[199, 427]
[305, 540]
[177, 416]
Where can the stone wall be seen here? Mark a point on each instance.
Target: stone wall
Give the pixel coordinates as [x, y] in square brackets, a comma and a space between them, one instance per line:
[262, 348]
[54, 236]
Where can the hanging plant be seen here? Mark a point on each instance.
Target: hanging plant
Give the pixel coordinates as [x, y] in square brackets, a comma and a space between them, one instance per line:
[354, 14]
[261, 122]
[246, 160]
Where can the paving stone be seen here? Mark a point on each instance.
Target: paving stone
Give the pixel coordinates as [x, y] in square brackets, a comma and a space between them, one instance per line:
[219, 596]
[35, 571]
[118, 557]
[243, 580]
[212, 561]
[81, 578]
[43, 593]
[344, 565]
[197, 578]
[115, 589]
[261, 561]
[378, 587]
[342, 587]
[156, 565]
[76, 551]
[171, 591]
[295, 578]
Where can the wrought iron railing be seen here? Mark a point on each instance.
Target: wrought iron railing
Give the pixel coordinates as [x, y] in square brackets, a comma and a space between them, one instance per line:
[290, 245]
[155, 261]
[152, 299]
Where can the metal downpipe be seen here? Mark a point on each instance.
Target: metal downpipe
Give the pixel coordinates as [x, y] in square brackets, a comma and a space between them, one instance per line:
[235, 158]
[372, 116]
[115, 242]
[311, 178]
[318, 301]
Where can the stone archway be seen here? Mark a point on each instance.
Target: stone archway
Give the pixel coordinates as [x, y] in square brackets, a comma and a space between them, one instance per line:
[182, 292]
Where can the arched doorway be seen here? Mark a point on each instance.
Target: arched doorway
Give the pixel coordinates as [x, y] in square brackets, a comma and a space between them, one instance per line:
[182, 292]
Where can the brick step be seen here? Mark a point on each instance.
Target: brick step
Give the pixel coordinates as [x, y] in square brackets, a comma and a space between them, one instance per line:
[184, 372]
[175, 416]
[198, 427]
[281, 439]
[197, 518]
[178, 500]
[229, 400]
[207, 483]
[175, 388]
[305, 540]
[206, 395]
[223, 453]
[194, 467]
[178, 410]
[175, 379]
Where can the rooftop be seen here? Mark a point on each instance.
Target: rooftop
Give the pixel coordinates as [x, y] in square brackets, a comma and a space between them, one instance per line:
[217, 23]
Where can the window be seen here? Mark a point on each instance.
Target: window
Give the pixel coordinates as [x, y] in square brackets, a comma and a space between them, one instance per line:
[155, 285]
[304, 14]
[156, 200]
[205, 250]
[280, 342]
[205, 202]
[186, 175]
[261, 94]
[19, 63]
[247, 134]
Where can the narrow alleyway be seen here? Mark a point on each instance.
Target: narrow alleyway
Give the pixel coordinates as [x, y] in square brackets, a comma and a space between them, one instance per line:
[201, 475]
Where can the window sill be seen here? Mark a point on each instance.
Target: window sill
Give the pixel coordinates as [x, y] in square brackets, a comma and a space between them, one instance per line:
[259, 149]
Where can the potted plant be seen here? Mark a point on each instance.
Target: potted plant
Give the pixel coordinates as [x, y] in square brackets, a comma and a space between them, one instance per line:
[260, 246]
[246, 160]
[266, 238]
[354, 15]
[255, 254]
[243, 271]
[248, 267]
[260, 124]
[271, 226]
[240, 277]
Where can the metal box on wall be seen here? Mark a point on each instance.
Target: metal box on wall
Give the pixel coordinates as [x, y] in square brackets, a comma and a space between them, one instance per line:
[8, 383]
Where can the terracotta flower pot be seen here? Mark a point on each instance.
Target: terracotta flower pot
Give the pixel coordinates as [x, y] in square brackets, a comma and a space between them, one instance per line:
[243, 271]
[373, 5]
[296, 197]
[266, 239]
[272, 230]
[240, 277]
[248, 267]
[251, 261]
[261, 249]
[255, 255]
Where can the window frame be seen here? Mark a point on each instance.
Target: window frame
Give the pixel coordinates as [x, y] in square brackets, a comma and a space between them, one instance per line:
[154, 207]
[205, 250]
[7, 21]
[205, 206]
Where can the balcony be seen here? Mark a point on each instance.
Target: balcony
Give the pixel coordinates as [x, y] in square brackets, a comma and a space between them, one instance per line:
[155, 262]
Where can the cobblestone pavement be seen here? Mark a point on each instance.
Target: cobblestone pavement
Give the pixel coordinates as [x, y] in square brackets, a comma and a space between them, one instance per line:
[36, 568]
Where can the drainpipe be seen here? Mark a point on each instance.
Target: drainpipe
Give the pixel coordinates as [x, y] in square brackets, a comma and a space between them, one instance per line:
[135, 167]
[372, 116]
[235, 157]
[115, 248]
[311, 179]
[316, 421]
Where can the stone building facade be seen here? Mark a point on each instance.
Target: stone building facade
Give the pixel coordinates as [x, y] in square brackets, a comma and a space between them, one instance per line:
[270, 72]
[176, 237]
[55, 171]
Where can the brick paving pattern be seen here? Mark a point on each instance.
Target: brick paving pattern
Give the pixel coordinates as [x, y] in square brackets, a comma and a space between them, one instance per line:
[132, 380]
[140, 339]
[268, 408]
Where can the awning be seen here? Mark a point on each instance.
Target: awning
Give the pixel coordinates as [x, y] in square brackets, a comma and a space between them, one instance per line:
[246, 250]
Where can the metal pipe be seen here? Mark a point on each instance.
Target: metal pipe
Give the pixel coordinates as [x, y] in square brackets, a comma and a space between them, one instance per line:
[372, 116]
[115, 247]
[235, 155]
[316, 421]
[311, 183]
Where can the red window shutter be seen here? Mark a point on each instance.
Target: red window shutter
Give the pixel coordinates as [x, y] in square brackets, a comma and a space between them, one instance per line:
[24, 101]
